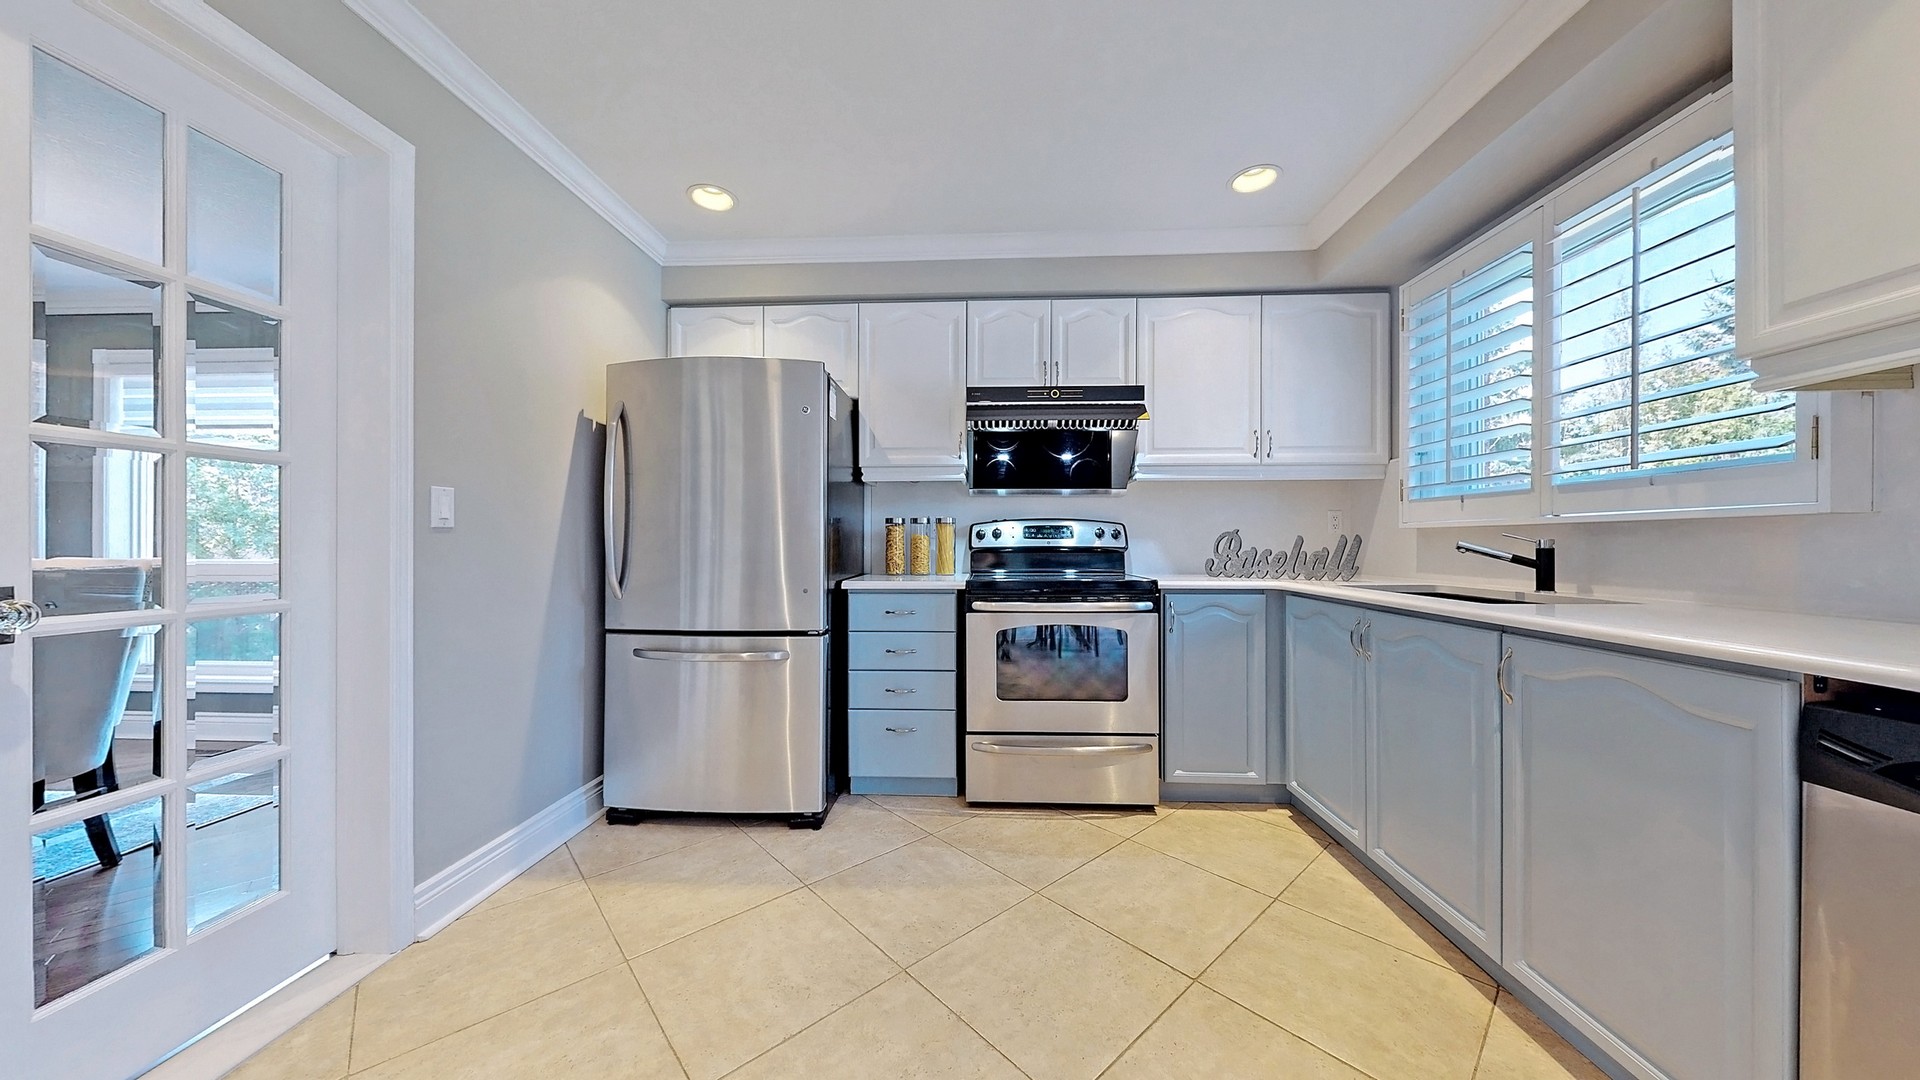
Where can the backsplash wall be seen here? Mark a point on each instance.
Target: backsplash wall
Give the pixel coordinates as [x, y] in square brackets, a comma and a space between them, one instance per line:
[1172, 523]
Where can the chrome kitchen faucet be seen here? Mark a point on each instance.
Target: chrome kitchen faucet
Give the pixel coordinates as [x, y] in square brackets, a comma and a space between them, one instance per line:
[1541, 561]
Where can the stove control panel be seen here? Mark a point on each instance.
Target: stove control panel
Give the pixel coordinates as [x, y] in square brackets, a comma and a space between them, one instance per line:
[1018, 533]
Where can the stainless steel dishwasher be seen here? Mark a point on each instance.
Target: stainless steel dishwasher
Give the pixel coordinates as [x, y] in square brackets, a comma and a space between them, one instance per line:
[1860, 888]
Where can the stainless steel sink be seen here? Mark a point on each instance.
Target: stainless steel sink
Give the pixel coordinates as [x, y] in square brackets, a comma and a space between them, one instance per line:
[1473, 595]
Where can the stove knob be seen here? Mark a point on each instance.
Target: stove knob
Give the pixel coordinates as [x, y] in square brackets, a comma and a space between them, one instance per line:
[979, 534]
[1116, 532]
[1101, 534]
[996, 534]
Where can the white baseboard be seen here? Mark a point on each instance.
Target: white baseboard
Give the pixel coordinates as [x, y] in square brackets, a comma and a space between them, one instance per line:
[253, 1029]
[455, 891]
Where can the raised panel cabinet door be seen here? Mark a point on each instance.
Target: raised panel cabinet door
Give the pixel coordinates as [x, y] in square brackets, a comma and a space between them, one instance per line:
[1093, 342]
[1650, 832]
[1007, 343]
[1200, 361]
[1326, 703]
[1829, 232]
[1433, 767]
[913, 377]
[825, 332]
[1326, 362]
[1216, 688]
[714, 331]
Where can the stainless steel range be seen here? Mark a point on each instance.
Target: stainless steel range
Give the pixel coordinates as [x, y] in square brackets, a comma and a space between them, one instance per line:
[1063, 666]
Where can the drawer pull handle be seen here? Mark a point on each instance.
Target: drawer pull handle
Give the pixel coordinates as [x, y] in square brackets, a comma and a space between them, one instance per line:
[903, 652]
[903, 689]
[904, 611]
[903, 730]
[1063, 751]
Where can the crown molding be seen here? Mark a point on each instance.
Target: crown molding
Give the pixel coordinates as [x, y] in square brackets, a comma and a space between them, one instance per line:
[413, 34]
[1496, 58]
[965, 246]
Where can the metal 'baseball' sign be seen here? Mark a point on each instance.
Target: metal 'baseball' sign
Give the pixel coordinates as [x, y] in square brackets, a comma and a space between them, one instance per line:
[1233, 559]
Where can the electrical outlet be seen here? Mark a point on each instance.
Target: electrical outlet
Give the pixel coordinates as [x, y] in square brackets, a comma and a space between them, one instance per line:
[1336, 522]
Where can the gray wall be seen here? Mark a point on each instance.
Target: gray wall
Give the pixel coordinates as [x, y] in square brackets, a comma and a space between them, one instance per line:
[523, 296]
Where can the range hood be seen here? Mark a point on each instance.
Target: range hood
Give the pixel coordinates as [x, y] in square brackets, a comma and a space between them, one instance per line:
[1054, 440]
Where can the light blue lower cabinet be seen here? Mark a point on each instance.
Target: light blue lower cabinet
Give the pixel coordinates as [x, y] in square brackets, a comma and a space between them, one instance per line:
[1217, 720]
[1433, 766]
[902, 752]
[1650, 833]
[1326, 713]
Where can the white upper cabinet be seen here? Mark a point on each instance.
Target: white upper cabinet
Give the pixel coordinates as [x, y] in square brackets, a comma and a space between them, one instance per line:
[1093, 342]
[824, 332]
[1829, 230]
[1007, 343]
[714, 331]
[913, 373]
[1326, 380]
[1200, 360]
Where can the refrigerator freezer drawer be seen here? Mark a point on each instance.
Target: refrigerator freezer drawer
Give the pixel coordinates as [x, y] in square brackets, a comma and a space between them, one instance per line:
[1121, 770]
[731, 725]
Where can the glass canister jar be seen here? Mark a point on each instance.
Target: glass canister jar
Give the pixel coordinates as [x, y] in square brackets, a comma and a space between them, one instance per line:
[943, 546]
[920, 547]
[896, 546]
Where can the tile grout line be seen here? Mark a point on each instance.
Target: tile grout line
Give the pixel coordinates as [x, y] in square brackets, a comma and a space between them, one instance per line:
[1188, 989]
[584, 876]
[627, 962]
[1487, 982]
[1486, 1034]
[957, 1015]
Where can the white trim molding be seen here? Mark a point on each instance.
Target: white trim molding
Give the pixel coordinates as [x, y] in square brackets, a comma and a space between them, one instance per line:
[414, 34]
[456, 890]
[401, 23]
[228, 1044]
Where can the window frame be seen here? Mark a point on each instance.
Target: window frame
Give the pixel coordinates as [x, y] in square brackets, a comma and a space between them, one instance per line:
[1832, 467]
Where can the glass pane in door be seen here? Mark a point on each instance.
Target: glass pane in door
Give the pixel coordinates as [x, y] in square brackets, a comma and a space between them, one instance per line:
[97, 898]
[96, 345]
[233, 217]
[1061, 662]
[233, 685]
[233, 843]
[97, 531]
[233, 530]
[96, 713]
[97, 160]
[233, 376]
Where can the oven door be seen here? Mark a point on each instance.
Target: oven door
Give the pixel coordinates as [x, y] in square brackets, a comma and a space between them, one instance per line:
[1063, 668]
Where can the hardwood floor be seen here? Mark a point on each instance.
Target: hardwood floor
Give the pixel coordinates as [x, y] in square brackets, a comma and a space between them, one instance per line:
[92, 922]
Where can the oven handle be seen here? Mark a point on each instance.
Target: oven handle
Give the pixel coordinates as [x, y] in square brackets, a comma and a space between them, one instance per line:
[1064, 751]
[1077, 605]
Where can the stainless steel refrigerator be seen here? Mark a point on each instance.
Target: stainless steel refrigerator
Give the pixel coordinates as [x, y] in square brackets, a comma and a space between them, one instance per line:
[732, 506]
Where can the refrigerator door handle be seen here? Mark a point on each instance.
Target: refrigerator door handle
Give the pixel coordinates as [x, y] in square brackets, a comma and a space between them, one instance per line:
[616, 452]
[689, 656]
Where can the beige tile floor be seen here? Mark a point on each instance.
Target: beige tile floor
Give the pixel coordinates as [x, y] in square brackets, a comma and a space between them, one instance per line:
[920, 938]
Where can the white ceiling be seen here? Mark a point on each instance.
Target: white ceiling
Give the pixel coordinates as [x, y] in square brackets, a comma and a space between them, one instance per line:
[890, 129]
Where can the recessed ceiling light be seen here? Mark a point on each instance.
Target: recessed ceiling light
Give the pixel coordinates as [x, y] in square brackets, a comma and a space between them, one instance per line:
[1248, 181]
[714, 197]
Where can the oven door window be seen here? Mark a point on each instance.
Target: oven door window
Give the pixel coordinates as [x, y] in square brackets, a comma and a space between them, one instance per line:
[1061, 662]
[1043, 459]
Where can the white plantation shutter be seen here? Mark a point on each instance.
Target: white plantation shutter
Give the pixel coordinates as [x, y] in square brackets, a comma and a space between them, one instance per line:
[1644, 378]
[1469, 383]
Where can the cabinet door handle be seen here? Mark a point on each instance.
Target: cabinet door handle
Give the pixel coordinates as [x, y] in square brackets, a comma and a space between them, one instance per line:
[1365, 626]
[905, 611]
[902, 690]
[1500, 676]
[903, 730]
[1269, 442]
[903, 652]
[1353, 637]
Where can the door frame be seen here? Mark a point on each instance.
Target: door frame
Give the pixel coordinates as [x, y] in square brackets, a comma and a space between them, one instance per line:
[373, 692]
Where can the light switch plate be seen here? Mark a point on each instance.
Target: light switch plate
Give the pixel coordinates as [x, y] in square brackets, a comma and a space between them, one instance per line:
[440, 507]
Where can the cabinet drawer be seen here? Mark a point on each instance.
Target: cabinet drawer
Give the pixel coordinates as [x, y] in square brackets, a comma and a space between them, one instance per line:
[901, 611]
[923, 650]
[900, 689]
[893, 742]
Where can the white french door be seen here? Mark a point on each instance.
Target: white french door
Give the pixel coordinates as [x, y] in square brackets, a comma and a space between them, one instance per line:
[167, 487]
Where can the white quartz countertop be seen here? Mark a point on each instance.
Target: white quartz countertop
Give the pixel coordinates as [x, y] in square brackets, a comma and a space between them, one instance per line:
[934, 583]
[1861, 650]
